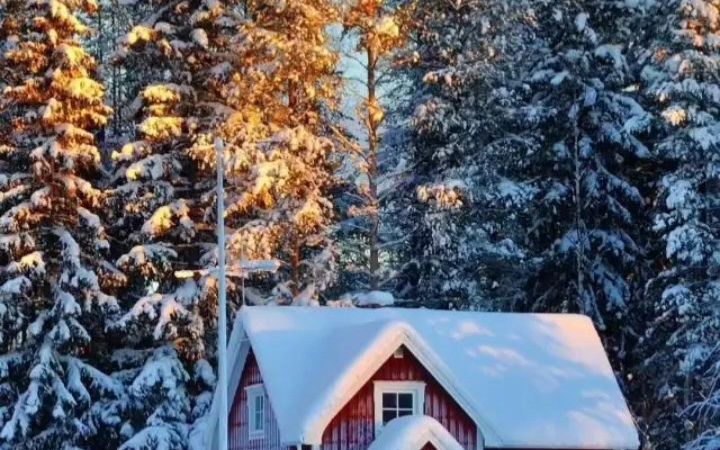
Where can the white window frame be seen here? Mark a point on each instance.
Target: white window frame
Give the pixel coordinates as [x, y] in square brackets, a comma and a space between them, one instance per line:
[252, 393]
[416, 388]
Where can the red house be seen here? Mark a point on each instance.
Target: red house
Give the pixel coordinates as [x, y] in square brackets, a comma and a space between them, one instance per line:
[399, 379]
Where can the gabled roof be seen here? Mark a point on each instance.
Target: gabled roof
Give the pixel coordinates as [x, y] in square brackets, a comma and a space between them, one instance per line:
[527, 380]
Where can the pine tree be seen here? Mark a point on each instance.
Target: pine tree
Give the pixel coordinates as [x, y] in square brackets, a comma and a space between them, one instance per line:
[55, 280]
[579, 150]
[681, 343]
[8, 39]
[377, 29]
[280, 160]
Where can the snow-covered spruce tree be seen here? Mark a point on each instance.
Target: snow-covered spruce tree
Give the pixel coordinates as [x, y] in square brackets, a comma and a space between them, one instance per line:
[459, 248]
[54, 281]
[158, 217]
[9, 22]
[578, 150]
[280, 161]
[165, 396]
[682, 355]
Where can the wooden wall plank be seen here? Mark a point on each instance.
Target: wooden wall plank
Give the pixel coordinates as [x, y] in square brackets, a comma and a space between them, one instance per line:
[238, 438]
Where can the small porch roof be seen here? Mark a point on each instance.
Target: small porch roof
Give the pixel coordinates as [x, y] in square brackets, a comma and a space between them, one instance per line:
[413, 433]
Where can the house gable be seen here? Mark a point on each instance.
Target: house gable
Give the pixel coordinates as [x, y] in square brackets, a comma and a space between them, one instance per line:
[387, 337]
[239, 422]
[353, 428]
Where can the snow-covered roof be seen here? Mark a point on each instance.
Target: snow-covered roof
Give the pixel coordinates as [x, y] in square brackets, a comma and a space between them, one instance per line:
[528, 380]
[412, 433]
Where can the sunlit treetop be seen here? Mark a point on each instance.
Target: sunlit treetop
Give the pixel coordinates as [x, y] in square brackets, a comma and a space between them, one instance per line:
[58, 92]
[380, 27]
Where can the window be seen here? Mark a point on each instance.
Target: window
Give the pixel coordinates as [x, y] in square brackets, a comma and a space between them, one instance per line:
[395, 399]
[256, 411]
[396, 404]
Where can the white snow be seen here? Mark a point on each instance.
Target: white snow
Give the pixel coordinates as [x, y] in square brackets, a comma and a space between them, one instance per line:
[199, 36]
[141, 255]
[16, 286]
[558, 79]
[91, 220]
[205, 373]
[528, 380]
[167, 217]
[612, 52]
[156, 307]
[31, 263]
[374, 298]
[581, 21]
[387, 26]
[412, 433]
[159, 437]
[307, 297]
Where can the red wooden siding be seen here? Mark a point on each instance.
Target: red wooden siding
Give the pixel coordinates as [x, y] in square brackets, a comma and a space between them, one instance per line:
[238, 427]
[354, 426]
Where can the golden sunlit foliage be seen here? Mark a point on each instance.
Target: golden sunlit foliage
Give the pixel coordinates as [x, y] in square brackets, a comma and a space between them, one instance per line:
[54, 300]
[280, 89]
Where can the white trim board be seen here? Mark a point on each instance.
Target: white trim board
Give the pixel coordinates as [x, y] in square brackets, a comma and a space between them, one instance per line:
[252, 392]
[416, 388]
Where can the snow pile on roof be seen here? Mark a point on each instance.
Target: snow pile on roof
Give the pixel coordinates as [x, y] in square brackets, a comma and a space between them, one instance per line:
[412, 433]
[528, 380]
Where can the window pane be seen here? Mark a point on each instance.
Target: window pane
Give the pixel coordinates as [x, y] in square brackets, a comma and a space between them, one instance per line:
[405, 400]
[405, 412]
[259, 413]
[388, 416]
[389, 400]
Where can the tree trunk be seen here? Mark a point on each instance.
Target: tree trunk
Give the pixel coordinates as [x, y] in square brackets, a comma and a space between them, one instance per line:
[372, 172]
[295, 267]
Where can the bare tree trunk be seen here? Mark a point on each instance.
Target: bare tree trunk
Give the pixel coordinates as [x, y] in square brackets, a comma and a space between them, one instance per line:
[292, 95]
[295, 267]
[372, 171]
[293, 100]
